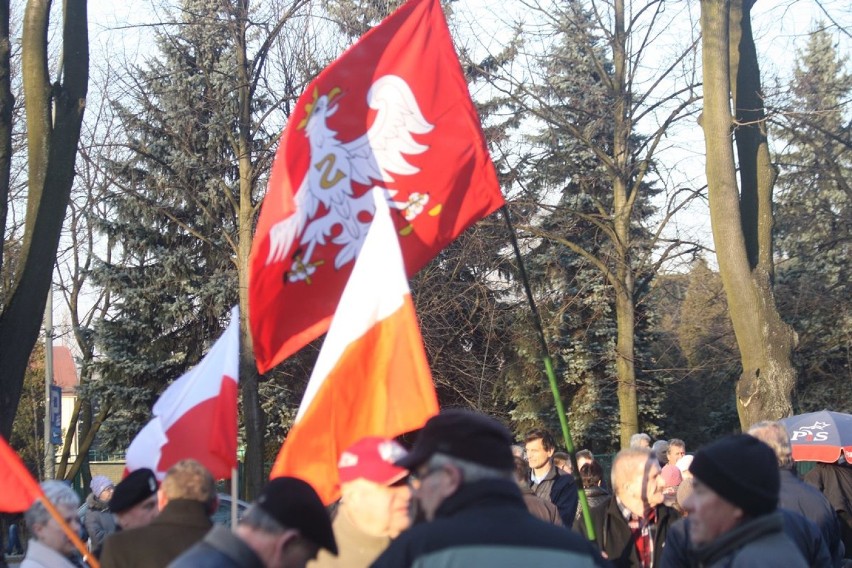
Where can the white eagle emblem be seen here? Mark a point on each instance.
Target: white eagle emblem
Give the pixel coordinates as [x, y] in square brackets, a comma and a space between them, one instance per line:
[376, 156]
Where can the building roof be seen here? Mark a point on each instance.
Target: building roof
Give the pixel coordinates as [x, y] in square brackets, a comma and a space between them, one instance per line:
[64, 369]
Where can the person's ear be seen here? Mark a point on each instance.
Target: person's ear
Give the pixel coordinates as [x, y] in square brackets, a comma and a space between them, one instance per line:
[284, 541]
[162, 500]
[455, 476]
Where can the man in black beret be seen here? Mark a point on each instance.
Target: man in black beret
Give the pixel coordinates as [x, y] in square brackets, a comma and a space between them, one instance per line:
[134, 501]
[463, 479]
[733, 509]
[284, 528]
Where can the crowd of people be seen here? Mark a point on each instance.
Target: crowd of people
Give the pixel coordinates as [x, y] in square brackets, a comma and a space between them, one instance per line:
[466, 495]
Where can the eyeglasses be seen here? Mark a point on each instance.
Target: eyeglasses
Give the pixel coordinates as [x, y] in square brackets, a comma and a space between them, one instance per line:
[415, 479]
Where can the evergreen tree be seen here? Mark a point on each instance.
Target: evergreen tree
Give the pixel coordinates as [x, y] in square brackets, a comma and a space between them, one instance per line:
[582, 258]
[814, 223]
[175, 278]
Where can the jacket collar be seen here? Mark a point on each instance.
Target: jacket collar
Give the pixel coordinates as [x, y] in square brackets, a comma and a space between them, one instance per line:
[739, 536]
[484, 493]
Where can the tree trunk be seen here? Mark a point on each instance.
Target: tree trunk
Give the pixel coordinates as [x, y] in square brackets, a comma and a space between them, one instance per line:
[7, 105]
[622, 209]
[253, 415]
[52, 150]
[742, 225]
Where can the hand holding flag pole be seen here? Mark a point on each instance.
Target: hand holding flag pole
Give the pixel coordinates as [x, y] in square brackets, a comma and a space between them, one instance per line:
[21, 490]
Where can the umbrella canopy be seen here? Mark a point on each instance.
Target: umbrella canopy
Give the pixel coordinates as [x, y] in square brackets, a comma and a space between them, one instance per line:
[820, 436]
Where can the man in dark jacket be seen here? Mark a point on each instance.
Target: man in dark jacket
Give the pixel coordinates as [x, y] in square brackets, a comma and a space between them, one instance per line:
[803, 532]
[284, 528]
[539, 508]
[732, 511]
[548, 481]
[796, 495]
[462, 478]
[630, 527]
[834, 480]
[187, 498]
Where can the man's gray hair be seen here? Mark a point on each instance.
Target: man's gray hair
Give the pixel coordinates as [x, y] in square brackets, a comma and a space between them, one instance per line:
[59, 493]
[258, 519]
[471, 472]
[774, 435]
[634, 439]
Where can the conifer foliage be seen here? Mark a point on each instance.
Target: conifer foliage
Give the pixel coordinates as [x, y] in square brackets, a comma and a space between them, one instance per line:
[174, 276]
[814, 223]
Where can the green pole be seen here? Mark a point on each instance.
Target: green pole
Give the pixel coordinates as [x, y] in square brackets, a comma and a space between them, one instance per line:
[548, 369]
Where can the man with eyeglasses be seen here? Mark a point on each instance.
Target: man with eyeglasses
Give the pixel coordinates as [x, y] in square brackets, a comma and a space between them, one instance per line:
[462, 477]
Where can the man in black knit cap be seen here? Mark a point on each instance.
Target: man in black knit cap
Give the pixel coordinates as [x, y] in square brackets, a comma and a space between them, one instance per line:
[733, 509]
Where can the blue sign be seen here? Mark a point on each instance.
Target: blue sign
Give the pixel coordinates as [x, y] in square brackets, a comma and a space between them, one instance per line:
[55, 414]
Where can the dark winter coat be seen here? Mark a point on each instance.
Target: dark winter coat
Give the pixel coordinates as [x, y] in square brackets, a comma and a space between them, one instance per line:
[485, 523]
[561, 489]
[99, 522]
[835, 482]
[596, 497]
[541, 508]
[220, 548]
[615, 539]
[756, 542]
[803, 532]
[799, 497]
[180, 524]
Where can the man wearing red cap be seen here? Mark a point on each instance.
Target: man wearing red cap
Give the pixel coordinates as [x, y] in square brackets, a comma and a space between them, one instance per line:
[374, 505]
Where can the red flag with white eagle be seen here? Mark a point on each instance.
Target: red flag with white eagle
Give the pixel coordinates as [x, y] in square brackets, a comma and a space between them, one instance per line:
[371, 377]
[196, 416]
[392, 112]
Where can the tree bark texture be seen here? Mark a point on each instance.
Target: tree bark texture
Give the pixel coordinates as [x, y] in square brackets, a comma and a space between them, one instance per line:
[254, 418]
[741, 217]
[7, 105]
[54, 115]
[623, 201]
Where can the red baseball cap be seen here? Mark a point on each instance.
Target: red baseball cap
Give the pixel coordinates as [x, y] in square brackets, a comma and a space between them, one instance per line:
[373, 459]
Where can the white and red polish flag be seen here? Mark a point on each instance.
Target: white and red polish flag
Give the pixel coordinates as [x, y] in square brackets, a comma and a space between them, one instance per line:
[196, 416]
[371, 377]
[393, 112]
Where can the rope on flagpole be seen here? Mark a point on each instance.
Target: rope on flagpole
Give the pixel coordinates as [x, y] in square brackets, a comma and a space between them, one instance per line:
[548, 368]
[88, 557]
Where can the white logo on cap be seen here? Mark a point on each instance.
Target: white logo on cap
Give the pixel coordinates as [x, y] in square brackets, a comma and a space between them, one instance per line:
[348, 459]
[391, 451]
[152, 484]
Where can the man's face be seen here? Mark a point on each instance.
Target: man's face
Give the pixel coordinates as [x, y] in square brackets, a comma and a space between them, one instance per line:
[675, 453]
[378, 509]
[654, 484]
[139, 515]
[710, 516]
[431, 486]
[50, 533]
[643, 488]
[582, 461]
[537, 456]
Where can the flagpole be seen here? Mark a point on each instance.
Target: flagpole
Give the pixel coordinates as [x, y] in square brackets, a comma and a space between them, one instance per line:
[234, 486]
[548, 368]
[88, 557]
